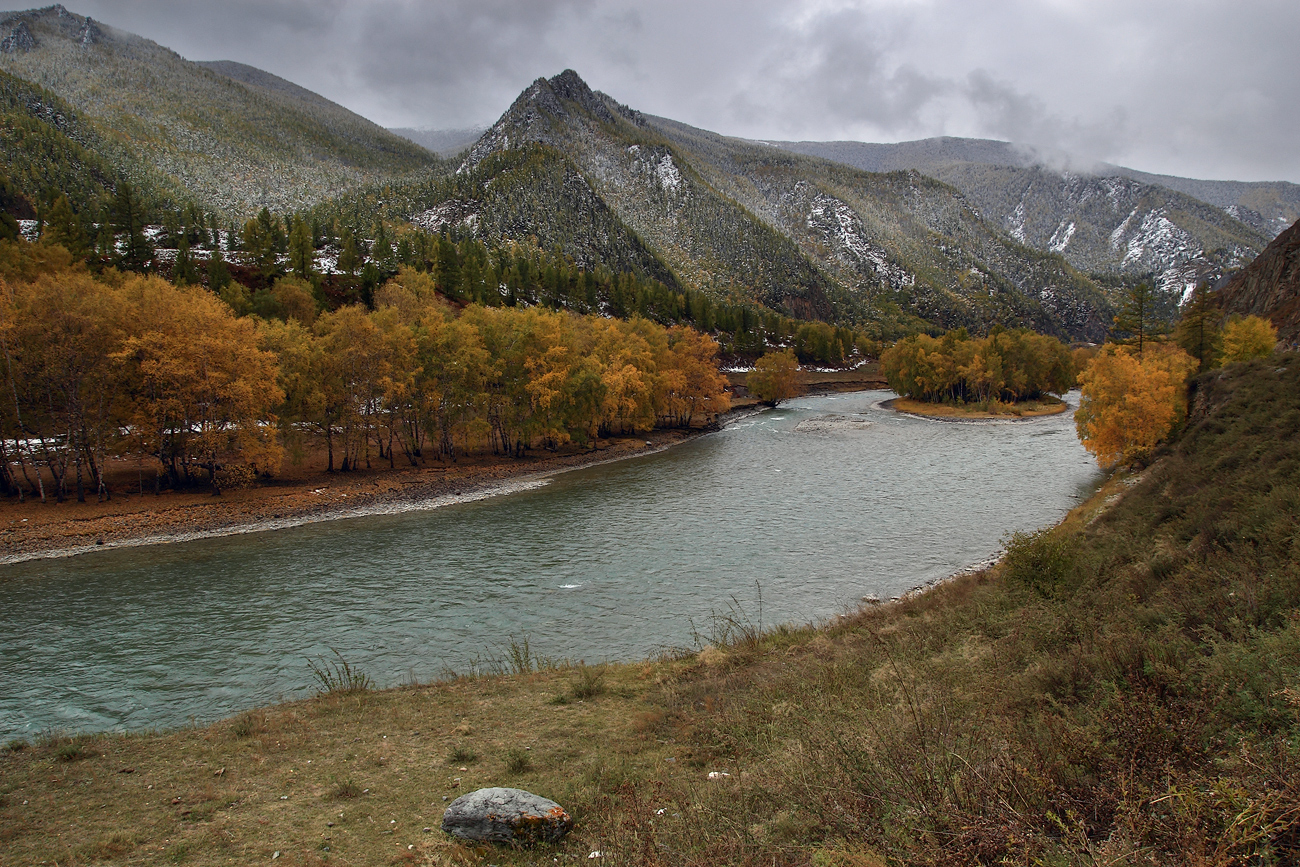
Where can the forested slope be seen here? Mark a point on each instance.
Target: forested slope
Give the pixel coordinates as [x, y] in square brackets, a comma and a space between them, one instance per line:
[230, 145]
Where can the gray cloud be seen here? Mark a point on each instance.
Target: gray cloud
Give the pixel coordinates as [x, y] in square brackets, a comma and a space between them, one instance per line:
[1205, 89]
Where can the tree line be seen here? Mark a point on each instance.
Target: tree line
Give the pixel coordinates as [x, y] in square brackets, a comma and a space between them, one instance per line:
[1005, 366]
[123, 364]
[341, 264]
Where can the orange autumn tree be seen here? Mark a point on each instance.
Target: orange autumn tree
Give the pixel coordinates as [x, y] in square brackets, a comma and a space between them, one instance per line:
[1130, 403]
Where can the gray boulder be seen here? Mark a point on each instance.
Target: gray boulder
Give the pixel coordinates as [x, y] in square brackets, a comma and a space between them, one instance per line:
[506, 816]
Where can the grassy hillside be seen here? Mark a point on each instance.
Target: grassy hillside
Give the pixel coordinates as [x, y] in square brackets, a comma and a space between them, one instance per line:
[234, 145]
[1122, 689]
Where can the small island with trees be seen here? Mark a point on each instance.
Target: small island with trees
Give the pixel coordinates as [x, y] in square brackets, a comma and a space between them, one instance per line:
[1008, 373]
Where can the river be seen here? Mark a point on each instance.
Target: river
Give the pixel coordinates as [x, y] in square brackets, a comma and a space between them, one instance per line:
[811, 506]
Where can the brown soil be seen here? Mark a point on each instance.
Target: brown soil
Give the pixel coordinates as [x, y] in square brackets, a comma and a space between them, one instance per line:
[302, 493]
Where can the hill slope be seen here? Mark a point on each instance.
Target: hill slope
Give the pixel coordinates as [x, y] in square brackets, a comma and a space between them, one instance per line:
[1270, 286]
[234, 144]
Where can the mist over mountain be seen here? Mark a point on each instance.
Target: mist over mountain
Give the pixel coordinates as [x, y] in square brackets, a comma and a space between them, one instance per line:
[1100, 217]
[443, 142]
[1267, 206]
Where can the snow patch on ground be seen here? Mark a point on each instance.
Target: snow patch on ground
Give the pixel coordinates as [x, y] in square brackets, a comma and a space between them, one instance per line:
[1016, 223]
[666, 172]
[1159, 242]
[1117, 236]
[836, 221]
[449, 213]
[1061, 237]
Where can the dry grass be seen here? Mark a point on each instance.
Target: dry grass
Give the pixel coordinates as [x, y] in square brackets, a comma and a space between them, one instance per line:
[1024, 409]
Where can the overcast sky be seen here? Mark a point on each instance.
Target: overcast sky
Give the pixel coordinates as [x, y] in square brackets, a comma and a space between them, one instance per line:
[1200, 88]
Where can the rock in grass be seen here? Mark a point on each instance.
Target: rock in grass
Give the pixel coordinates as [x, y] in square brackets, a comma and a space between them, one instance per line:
[506, 816]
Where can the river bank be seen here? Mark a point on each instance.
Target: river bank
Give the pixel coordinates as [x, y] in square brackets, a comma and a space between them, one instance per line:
[301, 495]
[363, 776]
[305, 493]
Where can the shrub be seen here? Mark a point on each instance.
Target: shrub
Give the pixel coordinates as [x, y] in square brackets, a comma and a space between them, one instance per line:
[590, 682]
[518, 761]
[1042, 561]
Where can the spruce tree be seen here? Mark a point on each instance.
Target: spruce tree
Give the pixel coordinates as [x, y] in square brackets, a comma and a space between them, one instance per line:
[129, 222]
[302, 252]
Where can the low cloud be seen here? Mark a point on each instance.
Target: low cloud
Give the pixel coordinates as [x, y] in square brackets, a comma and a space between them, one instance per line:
[1205, 89]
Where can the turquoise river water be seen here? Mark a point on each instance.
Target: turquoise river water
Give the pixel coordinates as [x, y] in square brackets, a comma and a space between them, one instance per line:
[814, 505]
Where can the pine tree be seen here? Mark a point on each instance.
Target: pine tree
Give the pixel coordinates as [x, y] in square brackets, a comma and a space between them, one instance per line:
[62, 227]
[1137, 321]
[1198, 328]
[129, 222]
[183, 271]
[302, 252]
[350, 257]
[218, 273]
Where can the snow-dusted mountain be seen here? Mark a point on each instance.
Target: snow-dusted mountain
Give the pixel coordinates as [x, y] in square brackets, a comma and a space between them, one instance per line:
[1102, 218]
[806, 236]
[228, 136]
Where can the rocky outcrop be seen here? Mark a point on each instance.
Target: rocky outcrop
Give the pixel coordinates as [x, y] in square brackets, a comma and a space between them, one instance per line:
[19, 38]
[500, 815]
[1270, 286]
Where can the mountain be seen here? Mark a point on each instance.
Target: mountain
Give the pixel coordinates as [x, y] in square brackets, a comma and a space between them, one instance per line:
[443, 142]
[231, 137]
[1270, 286]
[744, 222]
[1266, 206]
[1102, 218]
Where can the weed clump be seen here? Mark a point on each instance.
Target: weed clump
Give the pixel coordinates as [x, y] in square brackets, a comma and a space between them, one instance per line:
[589, 682]
[461, 755]
[246, 725]
[518, 761]
[345, 791]
[337, 677]
[72, 752]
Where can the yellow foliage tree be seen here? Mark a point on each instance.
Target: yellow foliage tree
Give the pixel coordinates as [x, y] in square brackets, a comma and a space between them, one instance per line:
[1247, 337]
[1130, 404]
[774, 377]
[199, 391]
